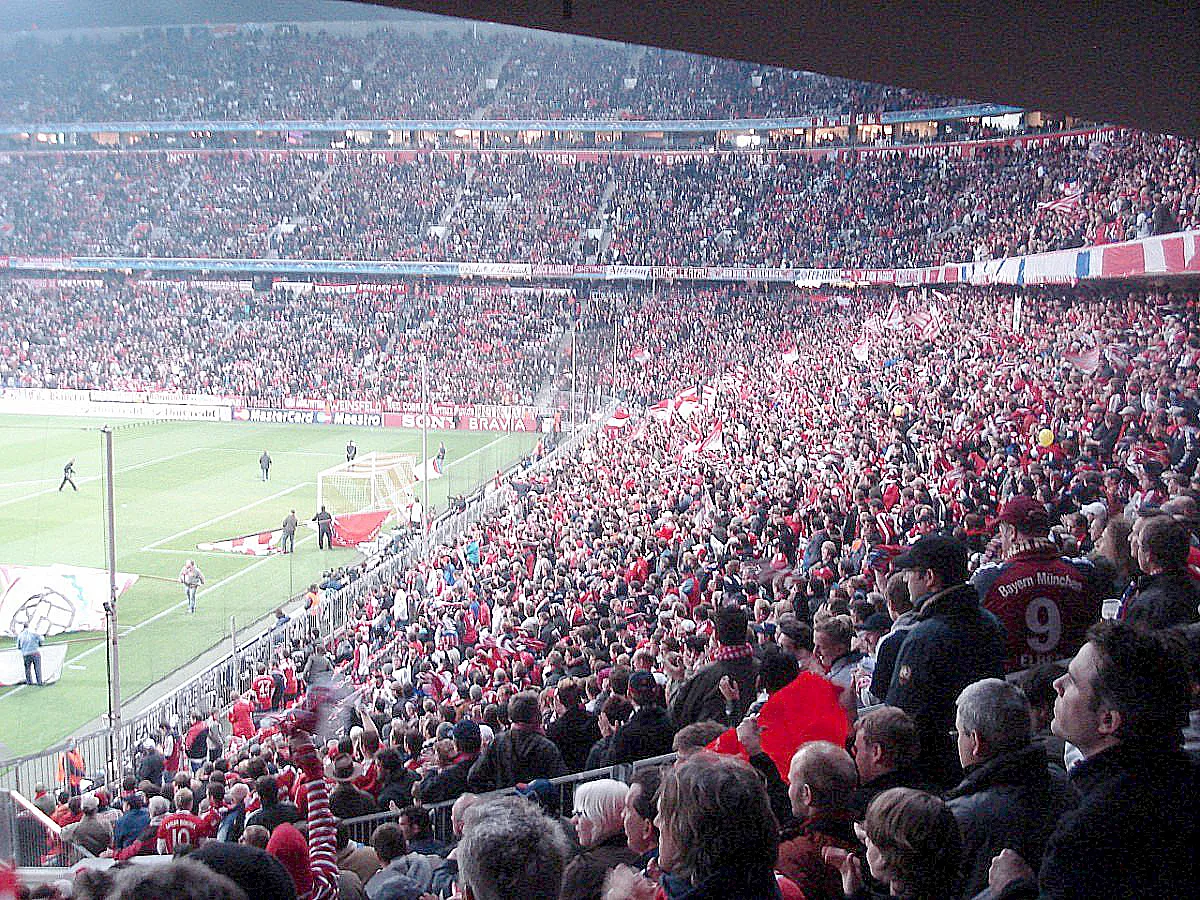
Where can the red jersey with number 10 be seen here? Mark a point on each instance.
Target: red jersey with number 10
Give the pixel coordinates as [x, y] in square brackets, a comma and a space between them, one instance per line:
[180, 829]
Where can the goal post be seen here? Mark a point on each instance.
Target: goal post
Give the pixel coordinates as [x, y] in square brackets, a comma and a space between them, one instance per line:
[371, 481]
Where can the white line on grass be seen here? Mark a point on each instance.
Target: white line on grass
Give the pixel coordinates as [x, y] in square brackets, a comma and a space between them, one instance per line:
[487, 446]
[232, 512]
[237, 574]
[91, 478]
[282, 452]
[165, 612]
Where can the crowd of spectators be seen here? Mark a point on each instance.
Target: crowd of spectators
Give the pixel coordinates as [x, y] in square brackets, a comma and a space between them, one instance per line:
[482, 345]
[901, 533]
[290, 73]
[759, 209]
[239, 74]
[673, 85]
[531, 208]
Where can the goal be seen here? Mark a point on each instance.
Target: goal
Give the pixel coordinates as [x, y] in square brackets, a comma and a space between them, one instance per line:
[371, 481]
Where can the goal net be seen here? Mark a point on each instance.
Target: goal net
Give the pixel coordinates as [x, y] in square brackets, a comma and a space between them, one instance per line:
[371, 481]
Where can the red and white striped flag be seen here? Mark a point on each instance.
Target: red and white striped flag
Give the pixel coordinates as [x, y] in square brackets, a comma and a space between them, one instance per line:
[894, 320]
[1087, 357]
[861, 348]
[662, 410]
[714, 443]
[264, 543]
[1070, 203]
[640, 355]
[618, 419]
[688, 401]
[927, 322]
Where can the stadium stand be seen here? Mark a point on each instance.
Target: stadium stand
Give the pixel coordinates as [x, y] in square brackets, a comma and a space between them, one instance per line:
[481, 343]
[588, 571]
[703, 209]
[754, 555]
[230, 73]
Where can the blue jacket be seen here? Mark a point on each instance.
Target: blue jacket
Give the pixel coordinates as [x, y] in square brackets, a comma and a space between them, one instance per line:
[129, 826]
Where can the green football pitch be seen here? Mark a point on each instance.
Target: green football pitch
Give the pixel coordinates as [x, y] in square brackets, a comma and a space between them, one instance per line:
[178, 484]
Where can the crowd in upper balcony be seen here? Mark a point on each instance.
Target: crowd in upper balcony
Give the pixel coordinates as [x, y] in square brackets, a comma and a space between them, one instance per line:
[285, 72]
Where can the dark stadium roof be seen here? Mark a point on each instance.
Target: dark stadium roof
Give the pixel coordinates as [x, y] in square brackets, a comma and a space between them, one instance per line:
[1131, 63]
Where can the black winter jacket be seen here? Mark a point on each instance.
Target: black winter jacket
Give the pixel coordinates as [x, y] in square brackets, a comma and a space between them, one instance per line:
[954, 643]
[648, 733]
[699, 698]
[1011, 800]
[515, 757]
[1134, 834]
[1161, 601]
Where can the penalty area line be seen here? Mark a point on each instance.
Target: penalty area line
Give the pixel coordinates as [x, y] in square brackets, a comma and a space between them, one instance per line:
[233, 512]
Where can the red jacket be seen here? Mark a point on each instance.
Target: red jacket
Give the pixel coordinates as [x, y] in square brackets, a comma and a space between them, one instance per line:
[800, 856]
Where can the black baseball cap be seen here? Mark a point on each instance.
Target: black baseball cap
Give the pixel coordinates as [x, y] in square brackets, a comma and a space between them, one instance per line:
[942, 554]
[876, 621]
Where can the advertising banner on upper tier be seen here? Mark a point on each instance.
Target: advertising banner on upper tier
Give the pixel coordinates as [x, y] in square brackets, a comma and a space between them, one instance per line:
[35, 401]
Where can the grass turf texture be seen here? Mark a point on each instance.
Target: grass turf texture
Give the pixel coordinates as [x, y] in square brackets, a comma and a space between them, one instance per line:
[178, 484]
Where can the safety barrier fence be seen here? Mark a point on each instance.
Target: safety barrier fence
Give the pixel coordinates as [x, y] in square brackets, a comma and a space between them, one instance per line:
[31, 838]
[560, 801]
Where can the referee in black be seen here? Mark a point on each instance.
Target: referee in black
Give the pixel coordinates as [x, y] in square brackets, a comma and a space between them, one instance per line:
[324, 529]
[68, 475]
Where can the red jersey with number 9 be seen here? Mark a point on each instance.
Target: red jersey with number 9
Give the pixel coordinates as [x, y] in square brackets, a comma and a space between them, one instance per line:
[1044, 603]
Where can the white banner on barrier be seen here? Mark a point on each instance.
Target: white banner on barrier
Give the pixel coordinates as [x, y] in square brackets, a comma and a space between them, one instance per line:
[54, 599]
[12, 665]
[29, 403]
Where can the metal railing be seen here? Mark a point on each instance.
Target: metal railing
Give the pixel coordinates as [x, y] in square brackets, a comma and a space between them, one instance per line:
[218, 686]
[561, 800]
[31, 838]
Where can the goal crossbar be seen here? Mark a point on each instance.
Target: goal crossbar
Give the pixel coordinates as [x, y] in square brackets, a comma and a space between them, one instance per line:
[371, 481]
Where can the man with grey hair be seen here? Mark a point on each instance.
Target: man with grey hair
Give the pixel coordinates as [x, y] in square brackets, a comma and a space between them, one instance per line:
[510, 849]
[92, 831]
[445, 876]
[1008, 796]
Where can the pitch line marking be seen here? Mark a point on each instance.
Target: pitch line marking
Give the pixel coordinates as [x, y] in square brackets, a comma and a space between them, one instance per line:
[90, 478]
[182, 603]
[486, 446]
[170, 609]
[226, 515]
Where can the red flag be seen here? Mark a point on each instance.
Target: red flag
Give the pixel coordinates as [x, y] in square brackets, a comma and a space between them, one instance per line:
[1087, 358]
[352, 529]
[8, 882]
[806, 710]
